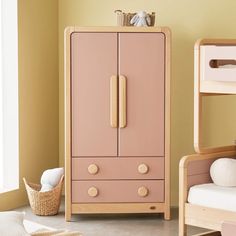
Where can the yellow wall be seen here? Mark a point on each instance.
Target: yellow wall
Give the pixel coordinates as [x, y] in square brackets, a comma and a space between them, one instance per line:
[38, 93]
[219, 127]
[189, 20]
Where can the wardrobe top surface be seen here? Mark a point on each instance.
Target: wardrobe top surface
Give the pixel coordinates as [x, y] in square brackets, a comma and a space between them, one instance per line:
[71, 29]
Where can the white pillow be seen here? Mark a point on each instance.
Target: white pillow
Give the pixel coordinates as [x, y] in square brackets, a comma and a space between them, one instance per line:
[11, 224]
[223, 172]
[50, 178]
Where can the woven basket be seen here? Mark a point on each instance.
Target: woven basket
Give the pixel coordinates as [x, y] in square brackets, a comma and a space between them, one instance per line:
[123, 19]
[44, 203]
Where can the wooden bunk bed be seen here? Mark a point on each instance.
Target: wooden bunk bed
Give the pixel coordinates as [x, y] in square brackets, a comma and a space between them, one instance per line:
[212, 76]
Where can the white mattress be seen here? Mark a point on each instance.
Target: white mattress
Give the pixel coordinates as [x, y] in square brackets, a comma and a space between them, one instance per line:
[211, 195]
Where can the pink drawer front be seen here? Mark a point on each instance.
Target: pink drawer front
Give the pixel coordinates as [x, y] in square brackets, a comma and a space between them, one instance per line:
[118, 191]
[118, 168]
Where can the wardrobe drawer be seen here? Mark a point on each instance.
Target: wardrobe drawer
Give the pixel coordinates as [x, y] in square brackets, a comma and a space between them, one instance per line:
[118, 191]
[118, 168]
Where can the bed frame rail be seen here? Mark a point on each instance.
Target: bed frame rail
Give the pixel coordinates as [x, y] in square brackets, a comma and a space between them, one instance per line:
[194, 169]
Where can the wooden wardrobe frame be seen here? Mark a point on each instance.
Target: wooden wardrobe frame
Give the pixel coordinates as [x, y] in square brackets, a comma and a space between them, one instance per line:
[85, 208]
[190, 214]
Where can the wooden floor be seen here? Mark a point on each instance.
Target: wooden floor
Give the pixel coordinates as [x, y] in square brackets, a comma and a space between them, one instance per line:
[113, 225]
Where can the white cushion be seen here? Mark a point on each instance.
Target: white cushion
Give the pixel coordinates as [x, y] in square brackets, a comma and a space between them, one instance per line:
[223, 172]
[11, 224]
[50, 178]
[214, 196]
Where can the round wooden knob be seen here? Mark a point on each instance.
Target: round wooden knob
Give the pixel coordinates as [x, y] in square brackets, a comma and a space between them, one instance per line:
[92, 192]
[143, 168]
[93, 169]
[142, 191]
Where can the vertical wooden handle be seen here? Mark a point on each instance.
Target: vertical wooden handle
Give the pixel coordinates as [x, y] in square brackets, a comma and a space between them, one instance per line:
[113, 101]
[122, 101]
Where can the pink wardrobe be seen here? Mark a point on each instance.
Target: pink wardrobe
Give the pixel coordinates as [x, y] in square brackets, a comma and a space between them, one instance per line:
[117, 120]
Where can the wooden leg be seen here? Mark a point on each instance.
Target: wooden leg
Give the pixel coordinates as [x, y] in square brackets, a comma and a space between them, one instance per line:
[182, 229]
[182, 225]
[167, 214]
[67, 212]
[182, 200]
[67, 216]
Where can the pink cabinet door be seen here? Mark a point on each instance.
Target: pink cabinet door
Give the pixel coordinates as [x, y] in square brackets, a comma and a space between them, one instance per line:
[141, 61]
[94, 61]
